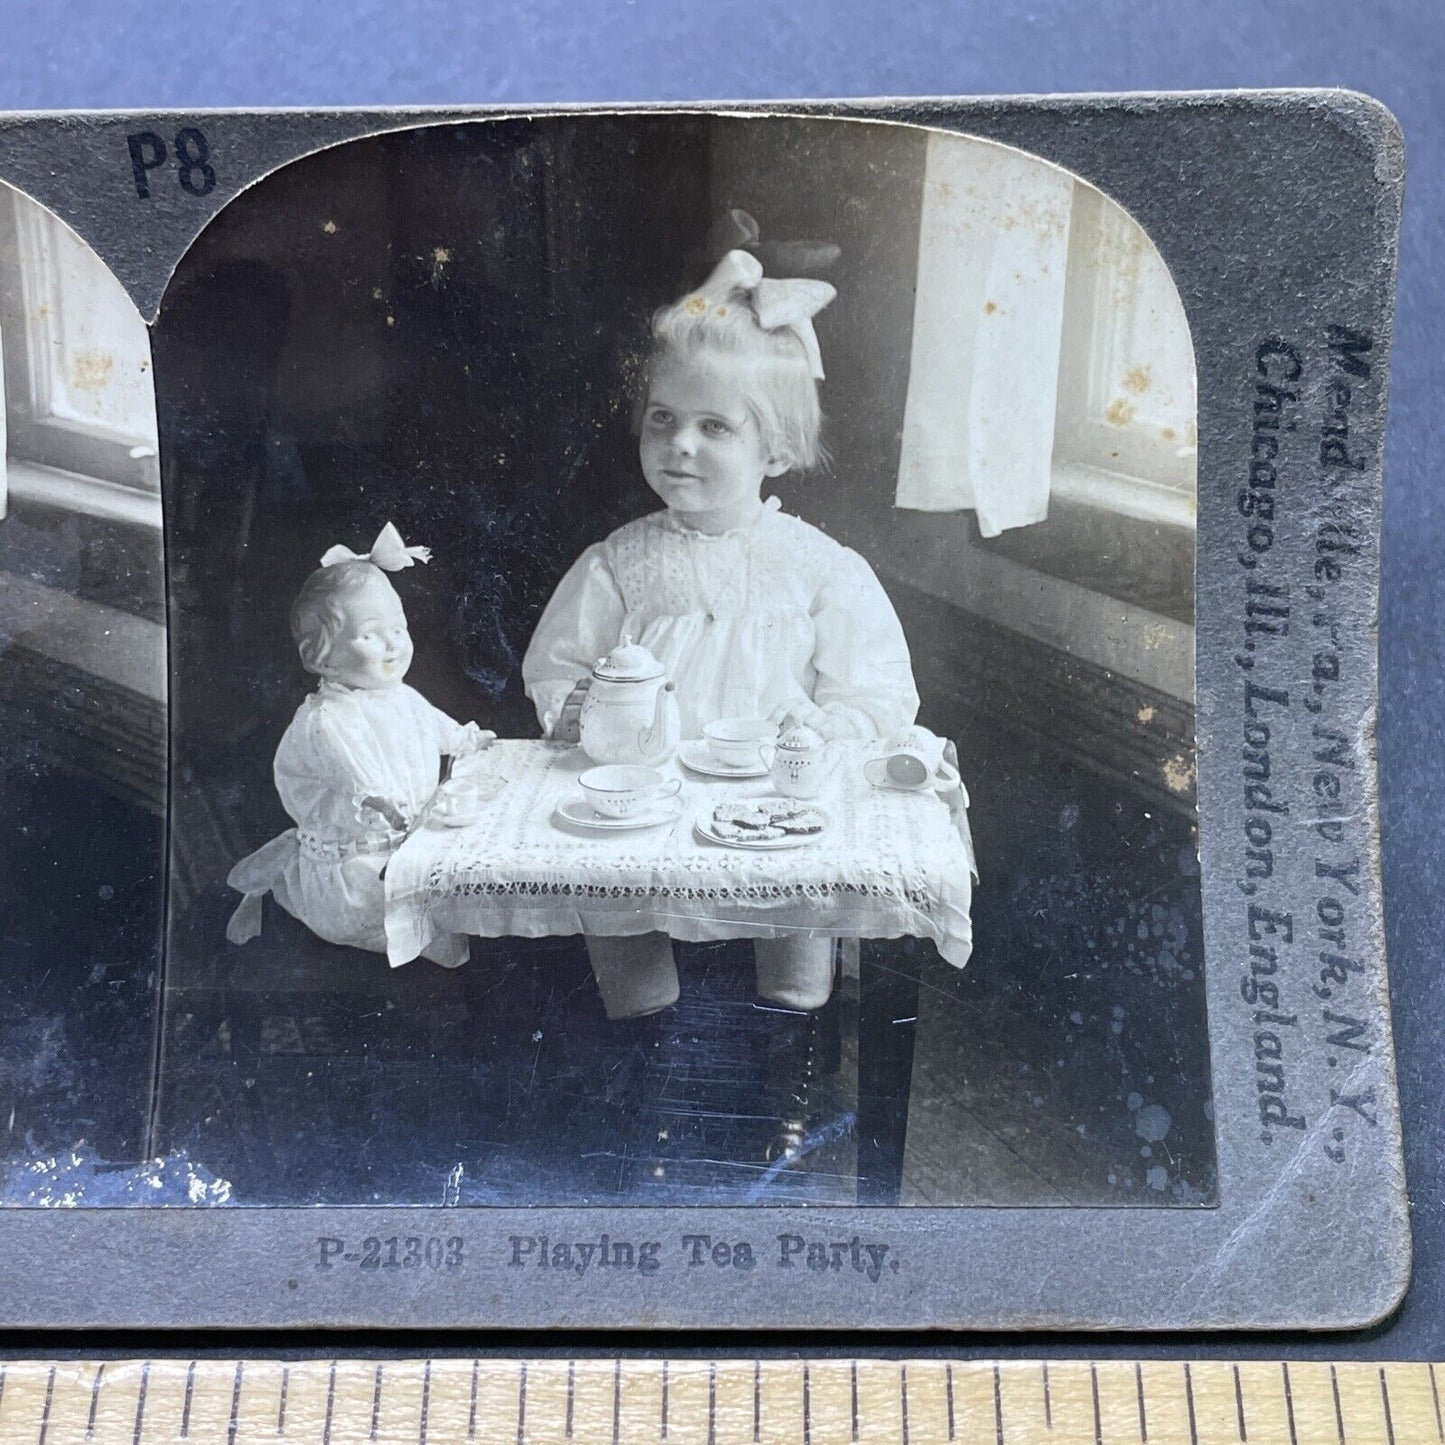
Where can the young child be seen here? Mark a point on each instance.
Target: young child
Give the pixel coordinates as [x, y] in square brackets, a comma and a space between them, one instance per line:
[753, 613]
[359, 760]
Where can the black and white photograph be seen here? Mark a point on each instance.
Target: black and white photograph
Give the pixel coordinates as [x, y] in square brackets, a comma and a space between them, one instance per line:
[680, 669]
[706, 805]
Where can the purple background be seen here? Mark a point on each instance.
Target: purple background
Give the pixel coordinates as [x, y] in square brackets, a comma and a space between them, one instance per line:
[265, 52]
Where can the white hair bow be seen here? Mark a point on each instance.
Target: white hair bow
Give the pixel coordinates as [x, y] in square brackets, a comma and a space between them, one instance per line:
[388, 552]
[779, 304]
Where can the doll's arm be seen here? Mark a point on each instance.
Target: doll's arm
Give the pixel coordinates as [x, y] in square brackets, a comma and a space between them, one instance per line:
[458, 740]
[323, 759]
[582, 622]
[864, 686]
[388, 811]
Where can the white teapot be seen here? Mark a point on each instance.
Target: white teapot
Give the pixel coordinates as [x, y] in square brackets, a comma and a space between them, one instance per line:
[630, 713]
[801, 763]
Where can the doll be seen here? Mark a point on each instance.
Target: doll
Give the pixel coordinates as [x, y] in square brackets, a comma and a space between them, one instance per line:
[359, 760]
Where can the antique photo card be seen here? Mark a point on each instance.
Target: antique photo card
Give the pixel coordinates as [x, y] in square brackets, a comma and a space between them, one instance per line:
[718, 717]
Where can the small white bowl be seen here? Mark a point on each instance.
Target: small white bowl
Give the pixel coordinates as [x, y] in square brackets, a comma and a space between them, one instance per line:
[622, 790]
[740, 742]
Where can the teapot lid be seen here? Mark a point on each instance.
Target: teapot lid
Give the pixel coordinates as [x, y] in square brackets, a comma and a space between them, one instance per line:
[801, 738]
[628, 662]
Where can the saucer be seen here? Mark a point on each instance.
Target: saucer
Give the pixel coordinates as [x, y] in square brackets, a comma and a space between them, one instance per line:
[941, 782]
[697, 758]
[580, 814]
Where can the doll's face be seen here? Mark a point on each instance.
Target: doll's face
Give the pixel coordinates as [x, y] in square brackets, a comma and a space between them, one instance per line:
[373, 649]
[702, 451]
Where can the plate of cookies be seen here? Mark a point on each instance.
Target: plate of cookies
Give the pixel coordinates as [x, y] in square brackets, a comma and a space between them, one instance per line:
[762, 823]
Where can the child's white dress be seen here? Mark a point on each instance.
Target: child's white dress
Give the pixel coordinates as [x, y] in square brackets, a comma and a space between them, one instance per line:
[345, 745]
[773, 615]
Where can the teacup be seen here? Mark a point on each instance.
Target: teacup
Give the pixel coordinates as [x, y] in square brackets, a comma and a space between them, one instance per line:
[458, 803]
[623, 790]
[740, 742]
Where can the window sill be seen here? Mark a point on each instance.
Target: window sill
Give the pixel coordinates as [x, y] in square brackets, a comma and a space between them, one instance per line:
[1123, 495]
[43, 486]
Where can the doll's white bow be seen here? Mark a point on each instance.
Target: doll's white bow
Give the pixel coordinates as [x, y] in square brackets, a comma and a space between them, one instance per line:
[780, 305]
[388, 552]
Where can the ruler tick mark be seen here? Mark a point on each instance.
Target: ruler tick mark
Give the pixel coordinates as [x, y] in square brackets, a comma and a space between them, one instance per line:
[808, 1407]
[617, 1402]
[853, 1391]
[712, 1401]
[1339, 1413]
[186, 1404]
[757, 1404]
[1239, 1403]
[1139, 1391]
[330, 1405]
[998, 1403]
[94, 1400]
[281, 1408]
[1289, 1402]
[425, 1402]
[1189, 1396]
[1094, 1388]
[472, 1410]
[1435, 1395]
[903, 1394]
[522, 1407]
[235, 1404]
[1385, 1400]
[376, 1403]
[140, 1403]
[572, 1398]
[1048, 1401]
[45, 1413]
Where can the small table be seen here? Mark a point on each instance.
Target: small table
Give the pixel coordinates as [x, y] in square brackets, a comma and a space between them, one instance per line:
[890, 864]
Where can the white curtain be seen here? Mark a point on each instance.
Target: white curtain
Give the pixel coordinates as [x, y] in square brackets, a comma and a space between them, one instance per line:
[978, 429]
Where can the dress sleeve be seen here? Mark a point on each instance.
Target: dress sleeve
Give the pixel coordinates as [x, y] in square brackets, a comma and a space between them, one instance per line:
[324, 759]
[454, 739]
[581, 623]
[864, 685]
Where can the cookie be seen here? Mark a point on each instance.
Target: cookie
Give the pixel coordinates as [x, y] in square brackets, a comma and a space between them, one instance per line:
[746, 815]
[781, 809]
[805, 821]
[723, 829]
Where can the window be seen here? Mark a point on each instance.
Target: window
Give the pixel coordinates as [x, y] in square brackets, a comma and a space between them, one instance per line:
[1124, 431]
[79, 418]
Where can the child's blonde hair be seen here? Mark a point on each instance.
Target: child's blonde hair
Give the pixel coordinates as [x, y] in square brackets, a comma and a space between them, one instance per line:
[317, 614]
[777, 381]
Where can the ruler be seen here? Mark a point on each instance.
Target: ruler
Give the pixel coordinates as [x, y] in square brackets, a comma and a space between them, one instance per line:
[719, 1402]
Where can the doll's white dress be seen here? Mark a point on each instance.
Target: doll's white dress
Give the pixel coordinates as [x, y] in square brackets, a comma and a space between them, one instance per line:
[343, 746]
[773, 615]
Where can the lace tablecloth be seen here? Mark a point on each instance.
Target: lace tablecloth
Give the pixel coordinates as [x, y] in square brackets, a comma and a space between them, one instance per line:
[890, 864]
